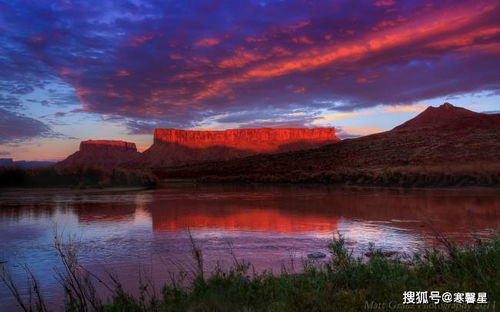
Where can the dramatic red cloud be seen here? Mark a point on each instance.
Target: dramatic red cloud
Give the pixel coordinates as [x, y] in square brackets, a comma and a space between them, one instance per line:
[207, 42]
[123, 73]
[381, 3]
[240, 59]
[136, 41]
[413, 32]
[467, 39]
[302, 40]
[186, 64]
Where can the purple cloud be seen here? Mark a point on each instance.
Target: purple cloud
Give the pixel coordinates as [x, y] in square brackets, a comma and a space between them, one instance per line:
[17, 128]
[156, 63]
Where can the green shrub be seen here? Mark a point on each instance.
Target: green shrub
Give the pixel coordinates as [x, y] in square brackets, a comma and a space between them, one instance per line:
[341, 284]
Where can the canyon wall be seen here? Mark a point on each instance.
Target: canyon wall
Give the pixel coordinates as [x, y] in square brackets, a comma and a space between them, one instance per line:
[101, 153]
[174, 147]
[91, 145]
[263, 140]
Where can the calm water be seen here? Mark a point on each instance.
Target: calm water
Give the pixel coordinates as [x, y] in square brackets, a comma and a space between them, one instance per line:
[133, 233]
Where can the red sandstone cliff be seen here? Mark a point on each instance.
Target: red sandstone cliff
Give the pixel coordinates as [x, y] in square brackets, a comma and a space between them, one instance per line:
[101, 153]
[100, 145]
[443, 145]
[173, 147]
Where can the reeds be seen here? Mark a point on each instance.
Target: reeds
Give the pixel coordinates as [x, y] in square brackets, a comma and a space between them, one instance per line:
[339, 283]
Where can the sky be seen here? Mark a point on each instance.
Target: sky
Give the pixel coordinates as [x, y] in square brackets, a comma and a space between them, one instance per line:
[117, 69]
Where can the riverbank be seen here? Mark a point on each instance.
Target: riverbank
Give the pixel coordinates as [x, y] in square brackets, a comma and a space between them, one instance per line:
[342, 283]
[76, 178]
[426, 176]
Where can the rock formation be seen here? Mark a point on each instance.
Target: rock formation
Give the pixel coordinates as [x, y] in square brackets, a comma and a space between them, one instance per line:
[101, 153]
[440, 143]
[173, 147]
[434, 117]
[100, 145]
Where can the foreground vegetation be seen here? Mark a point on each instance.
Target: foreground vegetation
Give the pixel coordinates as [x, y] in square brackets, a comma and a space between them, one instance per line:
[342, 283]
[77, 178]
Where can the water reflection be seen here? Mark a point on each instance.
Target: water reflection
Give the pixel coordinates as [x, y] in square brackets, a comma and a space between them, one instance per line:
[268, 225]
[291, 209]
[282, 209]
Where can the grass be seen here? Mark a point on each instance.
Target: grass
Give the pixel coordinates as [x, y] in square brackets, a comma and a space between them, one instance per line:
[343, 283]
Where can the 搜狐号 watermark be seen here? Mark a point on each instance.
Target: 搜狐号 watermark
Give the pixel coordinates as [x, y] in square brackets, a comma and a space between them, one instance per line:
[436, 297]
[430, 300]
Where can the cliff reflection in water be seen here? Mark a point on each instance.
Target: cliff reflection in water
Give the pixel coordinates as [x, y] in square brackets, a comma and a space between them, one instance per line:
[271, 208]
[292, 209]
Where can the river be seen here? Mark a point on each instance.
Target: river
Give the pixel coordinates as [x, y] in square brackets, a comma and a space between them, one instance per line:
[137, 233]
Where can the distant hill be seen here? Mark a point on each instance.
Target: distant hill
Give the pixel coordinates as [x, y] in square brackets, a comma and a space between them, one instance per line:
[101, 153]
[450, 118]
[437, 117]
[443, 145]
[9, 162]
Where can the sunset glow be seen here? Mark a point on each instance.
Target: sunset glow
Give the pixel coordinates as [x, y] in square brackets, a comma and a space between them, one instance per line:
[75, 71]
